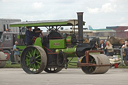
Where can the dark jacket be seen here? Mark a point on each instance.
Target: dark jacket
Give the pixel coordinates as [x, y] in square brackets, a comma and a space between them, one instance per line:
[36, 34]
[28, 38]
[103, 46]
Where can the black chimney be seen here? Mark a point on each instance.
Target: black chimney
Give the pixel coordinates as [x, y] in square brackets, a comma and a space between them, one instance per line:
[81, 47]
[80, 27]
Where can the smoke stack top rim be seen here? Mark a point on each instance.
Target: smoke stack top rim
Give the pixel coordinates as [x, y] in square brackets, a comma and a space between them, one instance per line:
[80, 13]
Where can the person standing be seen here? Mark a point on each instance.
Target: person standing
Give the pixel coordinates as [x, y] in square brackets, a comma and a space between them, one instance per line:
[37, 32]
[29, 36]
[109, 49]
[125, 47]
[16, 52]
[102, 46]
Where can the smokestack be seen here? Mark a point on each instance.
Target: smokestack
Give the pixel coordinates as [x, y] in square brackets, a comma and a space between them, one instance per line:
[80, 27]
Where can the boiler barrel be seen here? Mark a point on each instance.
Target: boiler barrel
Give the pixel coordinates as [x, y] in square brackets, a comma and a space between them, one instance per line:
[69, 51]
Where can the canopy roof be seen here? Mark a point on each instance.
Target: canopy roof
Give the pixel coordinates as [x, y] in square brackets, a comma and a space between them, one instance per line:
[42, 23]
[76, 31]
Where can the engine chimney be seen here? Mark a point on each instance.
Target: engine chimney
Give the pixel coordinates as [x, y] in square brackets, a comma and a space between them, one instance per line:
[80, 27]
[81, 47]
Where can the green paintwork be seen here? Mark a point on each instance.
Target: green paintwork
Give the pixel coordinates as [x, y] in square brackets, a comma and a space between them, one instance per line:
[43, 23]
[35, 65]
[71, 55]
[39, 24]
[38, 42]
[18, 36]
[57, 43]
[68, 39]
[67, 50]
[21, 48]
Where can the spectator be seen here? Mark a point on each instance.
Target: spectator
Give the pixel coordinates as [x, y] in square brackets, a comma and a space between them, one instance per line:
[125, 45]
[29, 36]
[109, 49]
[16, 52]
[126, 53]
[102, 46]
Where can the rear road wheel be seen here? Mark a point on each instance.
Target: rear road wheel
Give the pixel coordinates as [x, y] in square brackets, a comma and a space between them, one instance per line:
[33, 59]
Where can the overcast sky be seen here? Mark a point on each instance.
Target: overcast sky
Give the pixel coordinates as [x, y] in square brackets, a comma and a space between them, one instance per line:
[97, 13]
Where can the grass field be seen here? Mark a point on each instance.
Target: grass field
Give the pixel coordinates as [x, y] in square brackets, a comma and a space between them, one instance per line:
[71, 64]
[9, 65]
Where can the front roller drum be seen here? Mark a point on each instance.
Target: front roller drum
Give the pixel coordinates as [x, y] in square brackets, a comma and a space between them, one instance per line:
[33, 59]
[101, 64]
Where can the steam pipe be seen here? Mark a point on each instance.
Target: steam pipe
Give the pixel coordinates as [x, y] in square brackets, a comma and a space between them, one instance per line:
[80, 27]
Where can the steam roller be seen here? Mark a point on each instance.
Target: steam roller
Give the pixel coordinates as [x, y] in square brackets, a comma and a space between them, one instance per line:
[51, 53]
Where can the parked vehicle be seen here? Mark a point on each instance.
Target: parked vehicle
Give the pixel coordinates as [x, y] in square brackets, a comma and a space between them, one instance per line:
[7, 41]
